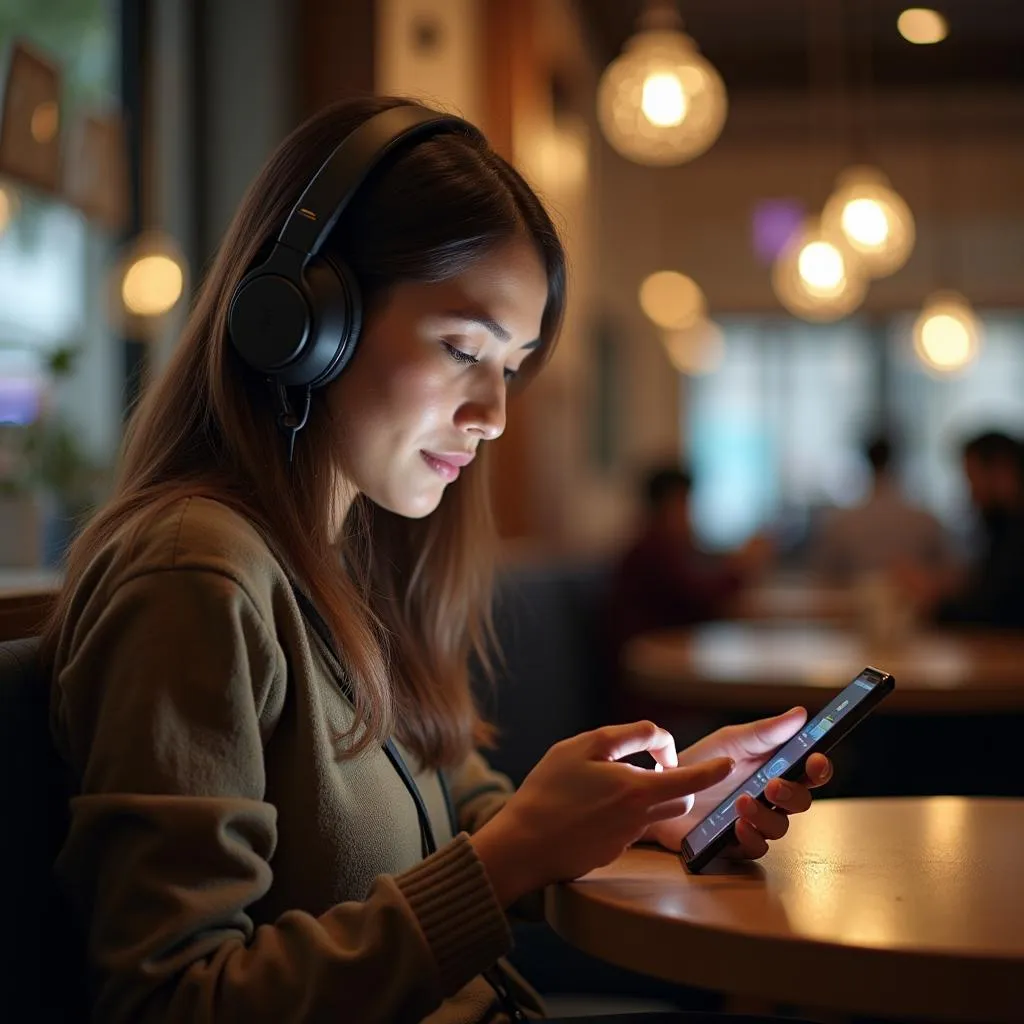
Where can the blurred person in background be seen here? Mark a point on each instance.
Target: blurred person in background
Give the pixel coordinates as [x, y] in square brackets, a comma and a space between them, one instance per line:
[990, 592]
[663, 580]
[885, 531]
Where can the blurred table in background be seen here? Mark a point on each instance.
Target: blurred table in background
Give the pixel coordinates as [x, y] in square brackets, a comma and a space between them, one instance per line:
[26, 597]
[28, 581]
[951, 726]
[737, 665]
[889, 907]
[795, 600]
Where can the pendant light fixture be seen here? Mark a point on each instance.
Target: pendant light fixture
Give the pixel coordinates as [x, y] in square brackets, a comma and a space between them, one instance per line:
[817, 277]
[661, 102]
[947, 334]
[873, 218]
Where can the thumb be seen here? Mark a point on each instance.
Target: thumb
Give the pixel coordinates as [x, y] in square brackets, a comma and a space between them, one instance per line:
[767, 734]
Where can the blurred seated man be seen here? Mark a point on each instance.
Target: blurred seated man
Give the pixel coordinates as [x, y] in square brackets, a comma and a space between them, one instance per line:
[885, 531]
[991, 592]
[663, 580]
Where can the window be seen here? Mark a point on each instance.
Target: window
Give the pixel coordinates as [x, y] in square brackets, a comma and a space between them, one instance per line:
[775, 434]
[52, 277]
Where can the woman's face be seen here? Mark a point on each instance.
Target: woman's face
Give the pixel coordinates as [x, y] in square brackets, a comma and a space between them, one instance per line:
[427, 382]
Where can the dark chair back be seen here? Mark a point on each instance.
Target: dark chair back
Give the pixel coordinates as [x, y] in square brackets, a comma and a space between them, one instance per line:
[42, 971]
[551, 683]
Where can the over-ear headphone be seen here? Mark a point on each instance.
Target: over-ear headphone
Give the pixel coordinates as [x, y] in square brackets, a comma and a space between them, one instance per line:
[296, 317]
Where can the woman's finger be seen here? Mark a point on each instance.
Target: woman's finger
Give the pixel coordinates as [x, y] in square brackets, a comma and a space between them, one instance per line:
[750, 844]
[673, 783]
[791, 797]
[670, 809]
[819, 770]
[770, 824]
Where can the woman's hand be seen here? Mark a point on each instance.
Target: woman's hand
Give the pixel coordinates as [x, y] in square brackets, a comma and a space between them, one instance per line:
[749, 746]
[580, 808]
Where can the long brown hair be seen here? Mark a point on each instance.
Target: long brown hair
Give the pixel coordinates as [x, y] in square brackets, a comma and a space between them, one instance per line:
[412, 603]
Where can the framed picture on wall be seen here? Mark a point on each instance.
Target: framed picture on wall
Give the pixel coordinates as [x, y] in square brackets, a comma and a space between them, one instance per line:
[95, 171]
[30, 118]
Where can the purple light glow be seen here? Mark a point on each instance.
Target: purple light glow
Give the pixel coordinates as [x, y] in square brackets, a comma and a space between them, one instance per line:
[774, 222]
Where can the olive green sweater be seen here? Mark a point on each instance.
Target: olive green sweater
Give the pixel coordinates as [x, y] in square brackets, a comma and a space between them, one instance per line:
[225, 863]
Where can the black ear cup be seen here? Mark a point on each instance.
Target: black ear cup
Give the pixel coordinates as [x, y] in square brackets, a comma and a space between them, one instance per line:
[335, 297]
[269, 321]
[302, 334]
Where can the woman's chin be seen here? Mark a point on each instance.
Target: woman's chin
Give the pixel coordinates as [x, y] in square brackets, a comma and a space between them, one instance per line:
[416, 505]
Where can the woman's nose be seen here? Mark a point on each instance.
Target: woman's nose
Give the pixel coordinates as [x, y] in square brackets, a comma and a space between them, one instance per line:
[483, 414]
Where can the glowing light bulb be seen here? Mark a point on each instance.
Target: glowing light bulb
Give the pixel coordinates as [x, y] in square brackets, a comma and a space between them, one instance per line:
[922, 25]
[821, 267]
[816, 276]
[660, 102]
[872, 218]
[945, 340]
[947, 335]
[663, 101]
[865, 223]
[152, 285]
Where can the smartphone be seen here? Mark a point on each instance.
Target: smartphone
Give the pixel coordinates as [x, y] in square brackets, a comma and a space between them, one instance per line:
[820, 734]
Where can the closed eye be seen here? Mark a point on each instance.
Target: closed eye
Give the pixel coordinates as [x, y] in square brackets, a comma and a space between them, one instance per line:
[466, 357]
[458, 355]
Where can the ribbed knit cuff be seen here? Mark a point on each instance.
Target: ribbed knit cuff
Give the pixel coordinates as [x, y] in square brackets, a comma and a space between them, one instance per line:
[457, 909]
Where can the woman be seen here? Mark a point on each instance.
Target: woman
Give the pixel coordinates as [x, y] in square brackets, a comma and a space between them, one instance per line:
[294, 568]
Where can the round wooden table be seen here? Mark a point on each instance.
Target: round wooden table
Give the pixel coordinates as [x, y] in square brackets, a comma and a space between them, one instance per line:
[904, 907]
[740, 665]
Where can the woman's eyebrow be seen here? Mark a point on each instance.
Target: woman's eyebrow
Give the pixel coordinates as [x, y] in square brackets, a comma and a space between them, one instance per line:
[499, 330]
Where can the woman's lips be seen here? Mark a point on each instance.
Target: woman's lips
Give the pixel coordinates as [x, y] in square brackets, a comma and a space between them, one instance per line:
[447, 464]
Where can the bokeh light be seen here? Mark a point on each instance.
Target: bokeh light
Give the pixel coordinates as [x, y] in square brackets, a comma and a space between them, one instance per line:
[817, 277]
[947, 334]
[661, 102]
[152, 285]
[874, 220]
[922, 25]
[672, 300]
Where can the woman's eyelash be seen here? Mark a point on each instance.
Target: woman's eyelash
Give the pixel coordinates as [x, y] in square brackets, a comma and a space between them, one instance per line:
[465, 357]
[458, 355]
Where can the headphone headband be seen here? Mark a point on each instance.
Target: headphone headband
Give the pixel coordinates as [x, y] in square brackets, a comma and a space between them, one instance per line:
[325, 198]
[296, 317]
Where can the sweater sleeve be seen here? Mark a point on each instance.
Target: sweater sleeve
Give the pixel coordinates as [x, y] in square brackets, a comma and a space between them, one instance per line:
[478, 793]
[163, 709]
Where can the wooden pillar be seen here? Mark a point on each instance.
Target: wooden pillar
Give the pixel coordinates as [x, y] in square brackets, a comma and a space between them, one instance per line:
[512, 84]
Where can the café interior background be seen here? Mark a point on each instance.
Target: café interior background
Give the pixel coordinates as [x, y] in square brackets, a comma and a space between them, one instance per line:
[131, 130]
